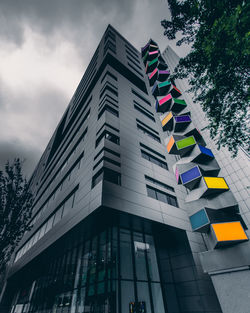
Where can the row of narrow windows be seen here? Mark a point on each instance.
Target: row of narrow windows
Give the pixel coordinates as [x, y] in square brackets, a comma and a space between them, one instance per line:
[53, 196]
[64, 164]
[63, 209]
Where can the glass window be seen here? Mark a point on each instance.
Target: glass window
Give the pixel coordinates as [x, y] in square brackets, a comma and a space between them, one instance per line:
[42, 231]
[49, 224]
[127, 295]
[144, 298]
[85, 262]
[151, 192]
[126, 255]
[152, 261]
[58, 215]
[154, 160]
[80, 301]
[140, 257]
[161, 196]
[157, 297]
[68, 205]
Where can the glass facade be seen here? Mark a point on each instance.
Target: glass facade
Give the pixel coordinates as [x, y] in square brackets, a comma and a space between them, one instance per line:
[115, 270]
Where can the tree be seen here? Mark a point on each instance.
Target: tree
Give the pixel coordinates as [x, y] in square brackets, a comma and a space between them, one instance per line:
[15, 209]
[218, 64]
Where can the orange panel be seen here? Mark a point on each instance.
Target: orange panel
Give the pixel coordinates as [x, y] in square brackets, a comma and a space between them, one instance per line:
[170, 144]
[231, 231]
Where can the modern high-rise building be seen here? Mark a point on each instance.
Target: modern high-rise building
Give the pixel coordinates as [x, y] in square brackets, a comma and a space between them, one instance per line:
[111, 231]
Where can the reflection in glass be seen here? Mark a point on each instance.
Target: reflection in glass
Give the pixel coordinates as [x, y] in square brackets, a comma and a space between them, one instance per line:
[143, 295]
[126, 254]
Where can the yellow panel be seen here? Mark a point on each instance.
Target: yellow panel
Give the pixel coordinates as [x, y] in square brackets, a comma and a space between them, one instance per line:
[166, 119]
[170, 143]
[230, 231]
[216, 182]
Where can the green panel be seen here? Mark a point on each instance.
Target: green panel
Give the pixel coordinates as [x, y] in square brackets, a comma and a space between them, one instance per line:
[189, 141]
[180, 101]
[145, 56]
[152, 62]
[166, 83]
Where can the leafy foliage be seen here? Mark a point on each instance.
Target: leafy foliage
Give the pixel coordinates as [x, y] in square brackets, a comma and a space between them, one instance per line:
[15, 209]
[218, 64]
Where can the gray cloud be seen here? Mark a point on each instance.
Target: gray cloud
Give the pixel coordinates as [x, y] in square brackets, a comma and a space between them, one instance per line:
[42, 40]
[71, 19]
[17, 149]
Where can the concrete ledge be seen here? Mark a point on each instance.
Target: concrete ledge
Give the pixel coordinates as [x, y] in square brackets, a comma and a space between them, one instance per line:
[226, 259]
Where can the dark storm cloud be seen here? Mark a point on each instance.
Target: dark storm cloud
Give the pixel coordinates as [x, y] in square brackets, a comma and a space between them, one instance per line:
[72, 19]
[51, 36]
[17, 149]
[27, 123]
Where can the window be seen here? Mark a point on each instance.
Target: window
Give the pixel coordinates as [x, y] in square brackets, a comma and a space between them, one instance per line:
[46, 205]
[108, 125]
[136, 70]
[131, 49]
[108, 108]
[133, 56]
[108, 88]
[142, 110]
[136, 64]
[140, 97]
[109, 35]
[110, 75]
[108, 160]
[154, 160]
[109, 46]
[148, 133]
[153, 151]
[162, 196]
[108, 175]
[157, 182]
[109, 99]
[146, 126]
[107, 150]
[109, 136]
[68, 204]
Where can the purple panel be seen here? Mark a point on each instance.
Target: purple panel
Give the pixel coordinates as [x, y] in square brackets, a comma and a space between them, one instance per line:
[145, 47]
[190, 175]
[184, 118]
[164, 72]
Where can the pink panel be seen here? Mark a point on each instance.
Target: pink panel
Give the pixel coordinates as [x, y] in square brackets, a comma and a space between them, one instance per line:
[168, 97]
[177, 174]
[152, 74]
[153, 52]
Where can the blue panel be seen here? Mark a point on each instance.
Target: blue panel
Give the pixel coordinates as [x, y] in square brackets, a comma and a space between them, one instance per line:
[154, 87]
[190, 175]
[199, 219]
[206, 151]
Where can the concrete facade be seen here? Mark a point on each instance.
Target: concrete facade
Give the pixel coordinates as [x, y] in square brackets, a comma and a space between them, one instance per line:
[228, 267]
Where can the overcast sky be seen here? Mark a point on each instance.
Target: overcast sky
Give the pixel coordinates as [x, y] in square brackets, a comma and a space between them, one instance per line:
[45, 47]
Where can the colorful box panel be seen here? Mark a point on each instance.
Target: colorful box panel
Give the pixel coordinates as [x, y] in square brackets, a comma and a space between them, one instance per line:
[229, 232]
[191, 174]
[186, 142]
[206, 151]
[182, 118]
[170, 144]
[216, 183]
[199, 219]
[167, 119]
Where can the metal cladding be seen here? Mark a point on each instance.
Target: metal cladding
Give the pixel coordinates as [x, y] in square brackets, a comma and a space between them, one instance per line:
[214, 208]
